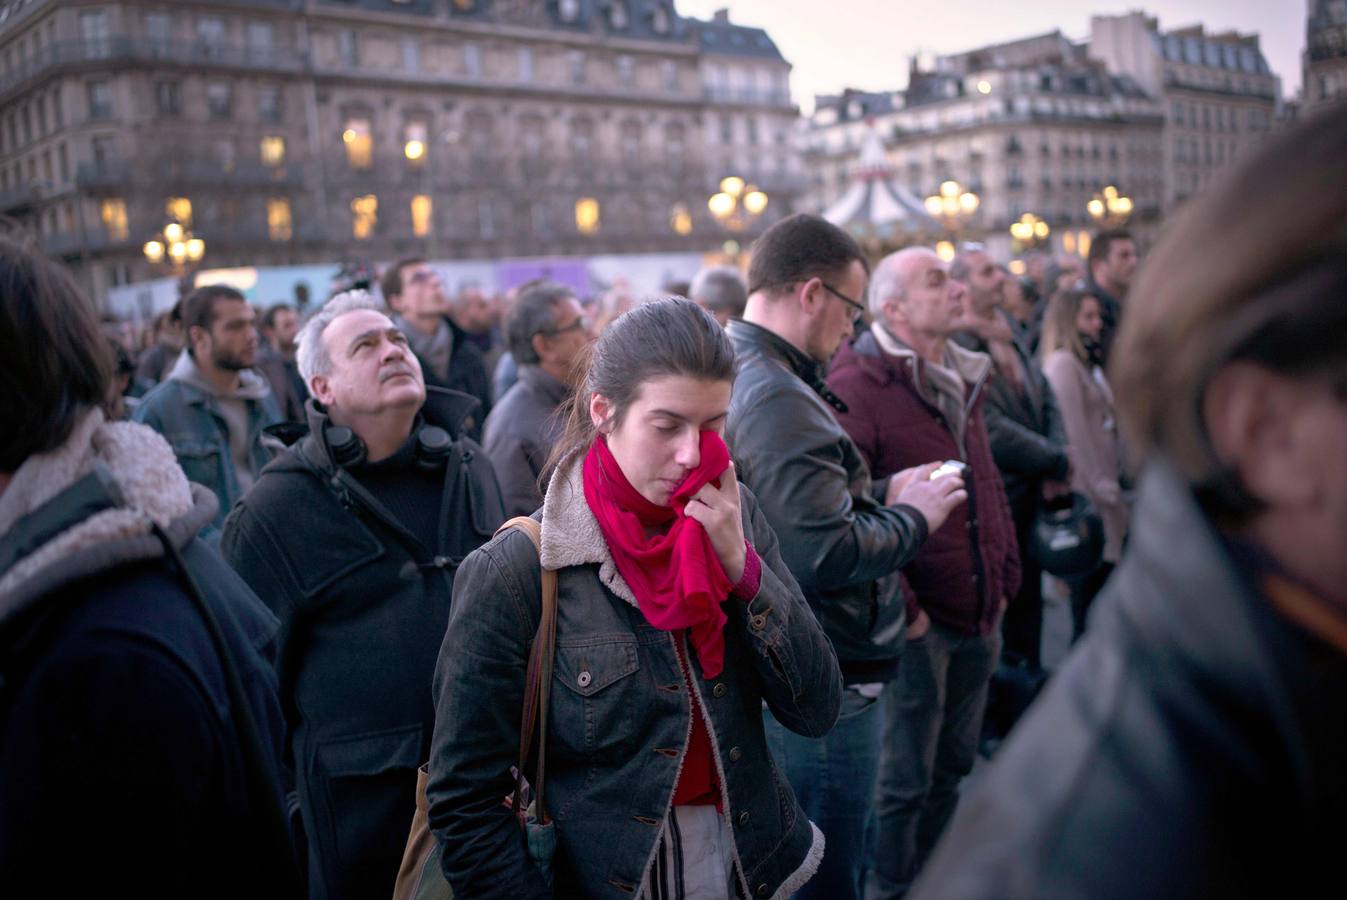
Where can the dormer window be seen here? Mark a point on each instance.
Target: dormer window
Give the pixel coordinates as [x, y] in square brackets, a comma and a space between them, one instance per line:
[659, 20]
[569, 10]
[617, 14]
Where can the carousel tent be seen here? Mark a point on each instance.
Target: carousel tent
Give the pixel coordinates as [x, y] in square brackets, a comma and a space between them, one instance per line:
[875, 205]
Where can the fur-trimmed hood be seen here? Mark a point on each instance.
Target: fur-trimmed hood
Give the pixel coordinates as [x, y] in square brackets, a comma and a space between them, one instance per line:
[154, 491]
[571, 534]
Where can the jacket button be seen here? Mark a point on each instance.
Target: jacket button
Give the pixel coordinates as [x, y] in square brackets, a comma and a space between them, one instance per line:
[758, 622]
[735, 754]
[583, 679]
[764, 890]
[719, 689]
[743, 817]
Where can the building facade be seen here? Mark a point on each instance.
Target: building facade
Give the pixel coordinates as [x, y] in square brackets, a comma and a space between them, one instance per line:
[1218, 95]
[297, 131]
[1031, 126]
[1325, 60]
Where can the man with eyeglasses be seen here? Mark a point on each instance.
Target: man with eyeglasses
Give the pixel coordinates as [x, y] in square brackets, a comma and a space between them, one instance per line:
[449, 359]
[547, 330]
[913, 394]
[843, 536]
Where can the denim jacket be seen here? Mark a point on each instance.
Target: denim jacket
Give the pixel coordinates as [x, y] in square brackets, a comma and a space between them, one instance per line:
[620, 716]
[189, 418]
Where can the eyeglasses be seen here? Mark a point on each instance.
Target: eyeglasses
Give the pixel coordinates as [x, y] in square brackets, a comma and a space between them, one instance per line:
[857, 309]
[580, 324]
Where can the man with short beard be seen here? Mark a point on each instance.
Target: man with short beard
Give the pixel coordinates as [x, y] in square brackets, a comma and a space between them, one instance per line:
[213, 407]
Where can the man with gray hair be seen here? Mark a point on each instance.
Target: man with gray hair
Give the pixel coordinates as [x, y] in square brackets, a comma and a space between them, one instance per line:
[720, 290]
[352, 537]
[547, 331]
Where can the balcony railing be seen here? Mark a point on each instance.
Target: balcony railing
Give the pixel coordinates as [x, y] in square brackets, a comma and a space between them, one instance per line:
[748, 96]
[186, 174]
[122, 49]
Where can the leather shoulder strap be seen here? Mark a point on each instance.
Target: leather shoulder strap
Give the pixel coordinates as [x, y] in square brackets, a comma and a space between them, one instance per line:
[538, 680]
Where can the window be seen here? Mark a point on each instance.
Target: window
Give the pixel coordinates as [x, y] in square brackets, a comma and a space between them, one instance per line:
[587, 215]
[220, 99]
[159, 31]
[260, 40]
[626, 71]
[57, 115]
[415, 142]
[100, 100]
[41, 115]
[411, 54]
[104, 153]
[752, 130]
[278, 219]
[364, 216]
[576, 61]
[347, 51]
[210, 36]
[113, 213]
[726, 130]
[359, 143]
[167, 97]
[224, 152]
[269, 103]
[179, 209]
[670, 71]
[63, 162]
[422, 215]
[94, 33]
[472, 61]
[525, 64]
[272, 150]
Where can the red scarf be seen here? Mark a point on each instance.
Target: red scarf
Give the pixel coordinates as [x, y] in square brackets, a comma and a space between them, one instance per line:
[676, 576]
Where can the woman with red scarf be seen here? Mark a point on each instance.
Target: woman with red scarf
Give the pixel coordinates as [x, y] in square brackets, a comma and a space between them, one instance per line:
[676, 622]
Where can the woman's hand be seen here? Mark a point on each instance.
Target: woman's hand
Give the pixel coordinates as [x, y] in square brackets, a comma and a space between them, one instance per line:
[717, 509]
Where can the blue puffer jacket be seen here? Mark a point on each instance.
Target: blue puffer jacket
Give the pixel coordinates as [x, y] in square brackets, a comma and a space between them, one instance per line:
[620, 716]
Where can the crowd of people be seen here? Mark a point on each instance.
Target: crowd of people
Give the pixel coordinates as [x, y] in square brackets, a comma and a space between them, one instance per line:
[258, 609]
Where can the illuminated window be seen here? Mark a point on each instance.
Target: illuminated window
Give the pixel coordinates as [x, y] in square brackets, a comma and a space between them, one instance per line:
[278, 219]
[422, 215]
[179, 209]
[359, 144]
[364, 216]
[273, 150]
[415, 143]
[113, 212]
[587, 215]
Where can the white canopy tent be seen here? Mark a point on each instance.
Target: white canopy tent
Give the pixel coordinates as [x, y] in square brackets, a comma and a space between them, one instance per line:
[876, 205]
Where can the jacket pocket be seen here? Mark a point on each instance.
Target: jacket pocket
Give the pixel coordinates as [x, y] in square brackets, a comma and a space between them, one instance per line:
[368, 791]
[200, 461]
[592, 689]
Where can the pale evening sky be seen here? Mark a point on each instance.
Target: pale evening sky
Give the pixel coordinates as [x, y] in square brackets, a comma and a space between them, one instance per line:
[866, 43]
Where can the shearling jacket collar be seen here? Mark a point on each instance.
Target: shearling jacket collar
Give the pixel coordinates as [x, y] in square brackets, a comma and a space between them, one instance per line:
[154, 491]
[571, 534]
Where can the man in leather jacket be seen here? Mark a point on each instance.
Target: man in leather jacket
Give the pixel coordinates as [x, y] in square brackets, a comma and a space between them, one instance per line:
[843, 537]
[352, 538]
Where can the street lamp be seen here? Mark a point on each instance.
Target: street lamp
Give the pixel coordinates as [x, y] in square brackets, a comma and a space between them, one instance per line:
[175, 243]
[737, 203]
[1110, 209]
[1029, 231]
[952, 206]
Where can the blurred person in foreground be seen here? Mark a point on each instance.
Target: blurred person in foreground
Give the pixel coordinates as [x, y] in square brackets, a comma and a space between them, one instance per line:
[547, 331]
[140, 727]
[1192, 744]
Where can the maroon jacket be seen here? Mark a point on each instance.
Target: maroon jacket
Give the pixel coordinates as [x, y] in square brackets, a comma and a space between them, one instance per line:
[967, 566]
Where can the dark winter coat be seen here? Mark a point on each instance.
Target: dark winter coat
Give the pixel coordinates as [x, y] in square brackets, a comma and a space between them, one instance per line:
[1191, 745]
[519, 436]
[969, 565]
[467, 375]
[842, 544]
[123, 767]
[362, 604]
[1026, 430]
[620, 716]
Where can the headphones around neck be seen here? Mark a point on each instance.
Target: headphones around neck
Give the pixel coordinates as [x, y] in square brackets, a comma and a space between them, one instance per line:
[433, 446]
